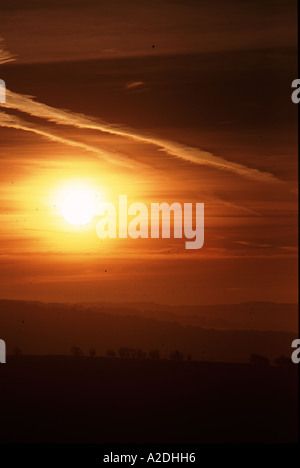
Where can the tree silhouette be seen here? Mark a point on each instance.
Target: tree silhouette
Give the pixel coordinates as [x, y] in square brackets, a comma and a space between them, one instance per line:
[177, 356]
[76, 351]
[123, 352]
[110, 353]
[92, 352]
[154, 354]
[258, 360]
[283, 362]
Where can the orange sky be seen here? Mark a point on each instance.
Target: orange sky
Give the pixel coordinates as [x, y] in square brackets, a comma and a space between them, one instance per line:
[203, 116]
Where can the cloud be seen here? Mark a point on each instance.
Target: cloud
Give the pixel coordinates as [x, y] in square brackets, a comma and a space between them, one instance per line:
[112, 158]
[134, 84]
[5, 56]
[69, 30]
[253, 244]
[29, 106]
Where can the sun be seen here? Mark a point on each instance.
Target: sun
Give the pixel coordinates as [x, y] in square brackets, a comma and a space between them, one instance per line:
[78, 206]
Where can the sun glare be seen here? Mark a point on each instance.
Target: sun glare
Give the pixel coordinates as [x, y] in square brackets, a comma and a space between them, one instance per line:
[78, 206]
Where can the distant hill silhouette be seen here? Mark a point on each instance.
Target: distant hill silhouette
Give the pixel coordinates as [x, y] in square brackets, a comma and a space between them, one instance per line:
[245, 316]
[38, 328]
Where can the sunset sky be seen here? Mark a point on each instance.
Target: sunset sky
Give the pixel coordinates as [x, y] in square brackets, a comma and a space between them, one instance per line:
[186, 101]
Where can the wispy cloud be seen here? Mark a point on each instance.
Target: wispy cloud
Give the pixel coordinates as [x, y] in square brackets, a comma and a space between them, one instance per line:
[29, 106]
[5, 56]
[134, 84]
[112, 158]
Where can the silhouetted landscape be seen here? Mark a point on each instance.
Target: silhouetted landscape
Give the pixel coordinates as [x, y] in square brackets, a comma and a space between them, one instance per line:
[117, 373]
[97, 400]
[38, 328]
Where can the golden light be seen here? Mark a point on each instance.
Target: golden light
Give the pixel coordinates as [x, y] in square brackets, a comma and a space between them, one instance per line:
[78, 206]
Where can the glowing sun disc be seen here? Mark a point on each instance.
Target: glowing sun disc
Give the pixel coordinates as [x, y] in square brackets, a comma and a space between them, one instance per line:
[78, 207]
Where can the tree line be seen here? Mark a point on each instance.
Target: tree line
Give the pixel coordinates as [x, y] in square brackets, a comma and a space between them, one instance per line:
[135, 353]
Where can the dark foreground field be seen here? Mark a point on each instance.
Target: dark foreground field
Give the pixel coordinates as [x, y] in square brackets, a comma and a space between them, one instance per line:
[96, 400]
